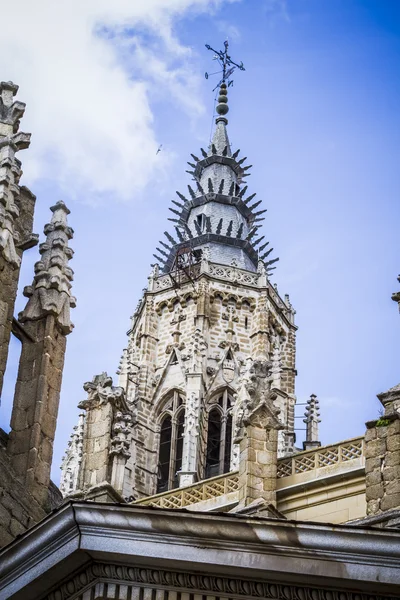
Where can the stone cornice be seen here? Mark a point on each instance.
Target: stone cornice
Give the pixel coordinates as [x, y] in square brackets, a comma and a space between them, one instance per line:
[222, 544]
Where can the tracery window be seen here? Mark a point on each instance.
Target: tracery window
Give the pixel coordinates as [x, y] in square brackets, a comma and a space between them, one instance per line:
[171, 444]
[219, 435]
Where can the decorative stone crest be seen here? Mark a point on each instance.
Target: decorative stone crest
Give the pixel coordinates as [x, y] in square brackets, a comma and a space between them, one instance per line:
[101, 391]
[120, 441]
[255, 404]
[50, 293]
[195, 352]
[10, 169]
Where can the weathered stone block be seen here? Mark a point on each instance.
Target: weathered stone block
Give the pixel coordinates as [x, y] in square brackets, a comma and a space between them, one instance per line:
[375, 448]
[374, 492]
[373, 478]
[390, 501]
[370, 434]
[393, 443]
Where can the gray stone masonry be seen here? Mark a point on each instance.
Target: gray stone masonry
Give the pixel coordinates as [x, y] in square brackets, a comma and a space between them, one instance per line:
[45, 322]
[382, 456]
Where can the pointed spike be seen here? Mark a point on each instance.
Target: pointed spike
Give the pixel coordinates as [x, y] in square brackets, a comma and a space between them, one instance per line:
[260, 239]
[162, 252]
[219, 226]
[190, 234]
[255, 205]
[259, 219]
[225, 151]
[210, 185]
[190, 172]
[236, 154]
[263, 246]
[213, 149]
[260, 212]
[240, 231]
[252, 233]
[247, 168]
[229, 230]
[182, 197]
[177, 212]
[204, 153]
[250, 198]
[165, 245]
[191, 192]
[270, 269]
[271, 262]
[221, 186]
[266, 254]
[179, 234]
[178, 204]
[246, 175]
[241, 161]
[199, 187]
[208, 225]
[232, 188]
[243, 191]
[191, 165]
[170, 238]
[197, 227]
[161, 260]
[195, 158]
[173, 220]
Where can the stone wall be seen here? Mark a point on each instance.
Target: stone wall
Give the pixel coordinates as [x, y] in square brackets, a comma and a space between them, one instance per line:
[18, 509]
[382, 464]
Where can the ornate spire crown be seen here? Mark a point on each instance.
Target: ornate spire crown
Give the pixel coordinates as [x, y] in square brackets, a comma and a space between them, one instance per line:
[217, 214]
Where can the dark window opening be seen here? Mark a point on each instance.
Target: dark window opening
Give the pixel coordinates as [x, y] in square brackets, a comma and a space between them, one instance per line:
[246, 322]
[171, 445]
[219, 437]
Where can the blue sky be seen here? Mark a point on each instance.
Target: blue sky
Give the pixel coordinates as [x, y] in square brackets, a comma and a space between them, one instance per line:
[316, 112]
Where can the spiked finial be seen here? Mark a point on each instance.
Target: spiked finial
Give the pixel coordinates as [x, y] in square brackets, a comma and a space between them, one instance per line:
[50, 293]
[312, 420]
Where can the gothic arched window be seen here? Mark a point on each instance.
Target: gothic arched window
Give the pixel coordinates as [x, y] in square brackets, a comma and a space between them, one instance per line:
[171, 444]
[219, 436]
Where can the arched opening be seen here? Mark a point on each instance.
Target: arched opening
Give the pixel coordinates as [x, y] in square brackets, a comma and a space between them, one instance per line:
[219, 436]
[171, 444]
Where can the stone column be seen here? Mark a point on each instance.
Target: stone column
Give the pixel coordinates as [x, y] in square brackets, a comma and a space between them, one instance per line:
[16, 213]
[258, 457]
[194, 359]
[382, 456]
[45, 323]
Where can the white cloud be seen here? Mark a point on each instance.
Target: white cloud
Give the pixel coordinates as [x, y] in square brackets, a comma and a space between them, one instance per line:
[87, 71]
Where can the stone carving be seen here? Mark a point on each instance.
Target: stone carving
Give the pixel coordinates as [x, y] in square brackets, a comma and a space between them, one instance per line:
[10, 169]
[71, 461]
[215, 585]
[120, 441]
[255, 399]
[101, 391]
[192, 414]
[50, 293]
[195, 352]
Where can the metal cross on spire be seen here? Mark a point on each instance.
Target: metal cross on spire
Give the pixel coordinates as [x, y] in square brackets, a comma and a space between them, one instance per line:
[227, 64]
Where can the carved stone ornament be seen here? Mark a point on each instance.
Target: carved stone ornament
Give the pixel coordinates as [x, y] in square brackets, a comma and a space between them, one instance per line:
[10, 169]
[101, 391]
[120, 441]
[255, 403]
[50, 293]
[195, 352]
[208, 585]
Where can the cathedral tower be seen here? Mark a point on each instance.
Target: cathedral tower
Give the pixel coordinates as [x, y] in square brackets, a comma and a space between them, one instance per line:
[207, 316]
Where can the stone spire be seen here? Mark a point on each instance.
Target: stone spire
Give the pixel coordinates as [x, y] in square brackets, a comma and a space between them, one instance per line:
[11, 141]
[50, 292]
[312, 421]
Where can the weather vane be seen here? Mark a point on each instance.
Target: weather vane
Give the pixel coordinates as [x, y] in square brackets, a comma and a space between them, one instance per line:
[226, 63]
